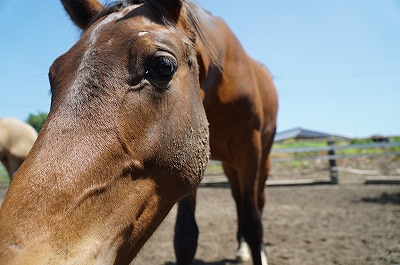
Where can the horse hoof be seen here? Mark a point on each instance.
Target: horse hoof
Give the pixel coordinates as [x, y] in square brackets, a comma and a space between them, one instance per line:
[243, 252]
[264, 260]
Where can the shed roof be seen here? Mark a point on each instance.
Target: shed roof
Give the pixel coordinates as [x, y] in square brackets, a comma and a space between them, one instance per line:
[301, 133]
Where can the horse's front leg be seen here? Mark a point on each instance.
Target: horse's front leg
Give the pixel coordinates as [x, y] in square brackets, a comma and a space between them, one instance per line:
[186, 231]
[243, 178]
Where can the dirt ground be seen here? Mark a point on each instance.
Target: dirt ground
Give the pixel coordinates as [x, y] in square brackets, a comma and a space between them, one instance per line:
[344, 224]
[341, 224]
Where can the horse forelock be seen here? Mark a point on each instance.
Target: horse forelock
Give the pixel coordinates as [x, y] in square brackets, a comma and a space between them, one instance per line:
[199, 20]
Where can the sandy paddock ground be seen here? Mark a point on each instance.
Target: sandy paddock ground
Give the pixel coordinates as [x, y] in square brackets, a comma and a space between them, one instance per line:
[341, 224]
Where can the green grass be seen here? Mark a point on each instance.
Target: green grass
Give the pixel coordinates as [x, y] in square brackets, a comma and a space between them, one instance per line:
[298, 144]
[351, 151]
[3, 175]
[214, 169]
[300, 159]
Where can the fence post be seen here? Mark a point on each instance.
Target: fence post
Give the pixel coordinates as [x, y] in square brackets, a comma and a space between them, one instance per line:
[333, 172]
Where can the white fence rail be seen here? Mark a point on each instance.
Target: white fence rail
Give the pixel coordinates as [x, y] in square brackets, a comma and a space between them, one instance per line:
[330, 157]
[335, 147]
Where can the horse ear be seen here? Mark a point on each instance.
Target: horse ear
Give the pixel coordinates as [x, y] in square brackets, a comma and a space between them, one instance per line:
[82, 11]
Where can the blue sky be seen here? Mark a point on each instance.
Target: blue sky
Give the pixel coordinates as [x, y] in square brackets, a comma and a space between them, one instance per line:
[336, 64]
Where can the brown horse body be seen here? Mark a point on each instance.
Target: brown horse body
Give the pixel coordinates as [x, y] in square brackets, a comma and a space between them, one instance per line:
[241, 106]
[127, 136]
[16, 140]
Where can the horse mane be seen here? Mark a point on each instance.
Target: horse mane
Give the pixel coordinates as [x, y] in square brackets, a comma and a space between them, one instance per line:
[198, 19]
[204, 26]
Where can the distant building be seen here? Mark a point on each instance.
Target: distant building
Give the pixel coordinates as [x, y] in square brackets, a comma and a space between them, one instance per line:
[380, 139]
[302, 134]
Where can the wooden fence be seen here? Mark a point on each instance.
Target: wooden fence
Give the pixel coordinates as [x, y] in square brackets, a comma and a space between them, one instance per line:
[327, 153]
[331, 157]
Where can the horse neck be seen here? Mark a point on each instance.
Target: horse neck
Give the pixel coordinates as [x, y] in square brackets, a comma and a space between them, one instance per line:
[213, 71]
[228, 52]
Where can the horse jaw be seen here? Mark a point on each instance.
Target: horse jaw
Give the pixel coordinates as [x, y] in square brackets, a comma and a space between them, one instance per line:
[115, 239]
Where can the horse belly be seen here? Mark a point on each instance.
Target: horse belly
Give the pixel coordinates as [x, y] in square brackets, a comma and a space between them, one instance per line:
[231, 130]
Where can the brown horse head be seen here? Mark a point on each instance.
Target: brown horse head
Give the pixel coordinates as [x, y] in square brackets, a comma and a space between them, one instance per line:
[126, 138]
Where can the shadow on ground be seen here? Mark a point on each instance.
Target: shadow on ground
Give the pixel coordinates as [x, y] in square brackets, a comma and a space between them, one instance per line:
[385, 198]
[200, 262]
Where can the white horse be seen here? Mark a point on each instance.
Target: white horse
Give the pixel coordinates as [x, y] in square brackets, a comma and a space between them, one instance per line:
[16, 140]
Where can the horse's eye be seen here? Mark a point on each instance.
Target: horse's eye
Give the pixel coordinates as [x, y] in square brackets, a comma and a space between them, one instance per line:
[163, 67]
